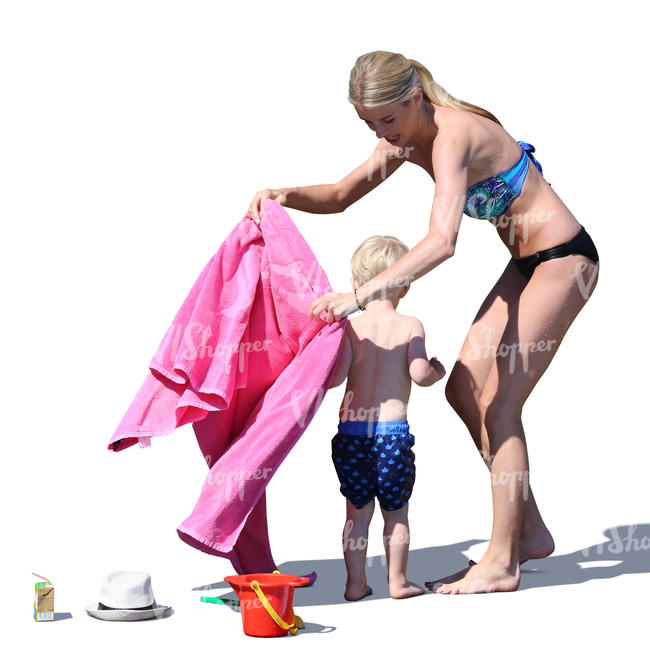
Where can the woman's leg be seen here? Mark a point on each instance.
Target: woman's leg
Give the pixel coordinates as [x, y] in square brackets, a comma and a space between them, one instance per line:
[467, 381]
[355, 545]
[547, 306]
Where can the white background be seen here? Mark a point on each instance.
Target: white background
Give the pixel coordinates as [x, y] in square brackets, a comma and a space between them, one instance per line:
[134, 135]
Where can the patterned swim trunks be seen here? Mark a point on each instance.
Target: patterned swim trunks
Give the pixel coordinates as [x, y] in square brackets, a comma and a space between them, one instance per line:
[374, 459]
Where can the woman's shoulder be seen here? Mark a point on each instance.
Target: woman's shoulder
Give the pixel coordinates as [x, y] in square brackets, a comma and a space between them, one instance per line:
[481, 142]
[452, 146]
[458, 126]
[477, 127]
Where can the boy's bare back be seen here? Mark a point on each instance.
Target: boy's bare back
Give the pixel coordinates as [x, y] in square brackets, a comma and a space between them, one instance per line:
[383, 352]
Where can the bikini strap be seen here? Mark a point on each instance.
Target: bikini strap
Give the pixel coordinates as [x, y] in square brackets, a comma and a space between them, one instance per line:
[528, 148]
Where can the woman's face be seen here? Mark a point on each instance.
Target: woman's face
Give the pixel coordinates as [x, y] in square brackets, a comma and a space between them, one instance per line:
[394, 122]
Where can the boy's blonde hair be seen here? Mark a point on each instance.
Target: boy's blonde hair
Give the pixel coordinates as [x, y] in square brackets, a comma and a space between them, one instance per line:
[374, 255]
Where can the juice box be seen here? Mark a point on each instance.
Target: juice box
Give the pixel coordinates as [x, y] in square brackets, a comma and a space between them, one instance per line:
[43, 601]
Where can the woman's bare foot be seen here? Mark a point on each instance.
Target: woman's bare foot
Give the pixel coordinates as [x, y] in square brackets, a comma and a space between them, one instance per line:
[357, 592]
[484, 577]
[533, 548]
[404, 589]
[434, 584]
[536, 545]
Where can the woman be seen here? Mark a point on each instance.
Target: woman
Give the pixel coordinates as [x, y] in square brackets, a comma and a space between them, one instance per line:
[479, 170]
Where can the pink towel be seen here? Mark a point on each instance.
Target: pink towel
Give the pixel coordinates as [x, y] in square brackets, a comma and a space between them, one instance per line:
[247, 366]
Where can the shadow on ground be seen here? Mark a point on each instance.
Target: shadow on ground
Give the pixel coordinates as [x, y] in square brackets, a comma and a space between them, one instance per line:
[626, 551]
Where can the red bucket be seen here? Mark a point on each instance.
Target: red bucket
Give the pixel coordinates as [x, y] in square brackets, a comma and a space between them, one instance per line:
[266, 602]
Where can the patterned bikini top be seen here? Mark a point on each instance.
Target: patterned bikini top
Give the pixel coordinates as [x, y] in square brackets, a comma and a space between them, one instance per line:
[491, 197]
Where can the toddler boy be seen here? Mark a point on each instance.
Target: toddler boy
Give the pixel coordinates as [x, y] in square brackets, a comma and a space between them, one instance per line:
[383, 351]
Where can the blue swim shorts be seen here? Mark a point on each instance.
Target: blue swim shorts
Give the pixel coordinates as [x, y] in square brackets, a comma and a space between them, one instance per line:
[374, 459]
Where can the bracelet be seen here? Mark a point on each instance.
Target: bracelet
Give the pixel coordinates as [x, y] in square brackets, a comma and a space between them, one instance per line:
[359, 305]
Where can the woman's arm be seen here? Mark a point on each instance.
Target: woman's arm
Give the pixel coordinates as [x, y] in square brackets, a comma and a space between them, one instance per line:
[334, 197]
[450, 170]
[384, 160]
[317, 199]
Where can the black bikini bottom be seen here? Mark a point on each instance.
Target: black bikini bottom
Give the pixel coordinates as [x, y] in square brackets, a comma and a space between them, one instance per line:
[581, 244]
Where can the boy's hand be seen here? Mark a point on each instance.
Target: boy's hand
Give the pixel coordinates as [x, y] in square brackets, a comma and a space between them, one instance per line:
[438, 367]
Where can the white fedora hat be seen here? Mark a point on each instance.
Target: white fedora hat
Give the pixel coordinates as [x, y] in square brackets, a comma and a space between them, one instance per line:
[126, 596]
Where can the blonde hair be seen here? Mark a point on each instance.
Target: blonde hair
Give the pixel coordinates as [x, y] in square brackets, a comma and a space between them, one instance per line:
[374, 255]
[381, 77]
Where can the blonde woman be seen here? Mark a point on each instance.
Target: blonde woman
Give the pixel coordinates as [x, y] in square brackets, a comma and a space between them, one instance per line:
[479, 170]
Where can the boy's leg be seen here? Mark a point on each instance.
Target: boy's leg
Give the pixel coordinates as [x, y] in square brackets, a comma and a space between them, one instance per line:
[396, 543]
[355, 544]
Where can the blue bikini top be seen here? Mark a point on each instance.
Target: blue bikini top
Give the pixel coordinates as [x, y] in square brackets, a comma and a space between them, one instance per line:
[491, 197]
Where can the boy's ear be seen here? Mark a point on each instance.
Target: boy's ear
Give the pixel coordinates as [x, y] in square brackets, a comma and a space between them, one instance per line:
[405, 290]
[353, 282]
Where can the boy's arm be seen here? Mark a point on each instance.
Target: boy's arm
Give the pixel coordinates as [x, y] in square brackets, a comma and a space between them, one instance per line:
[344, 360]
[423, 372]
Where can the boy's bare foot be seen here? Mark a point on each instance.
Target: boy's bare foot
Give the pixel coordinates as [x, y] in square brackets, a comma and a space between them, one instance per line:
[481, 578]
[357, 592]
[404, 589]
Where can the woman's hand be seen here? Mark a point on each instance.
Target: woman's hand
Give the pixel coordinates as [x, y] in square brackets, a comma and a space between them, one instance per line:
[256, 208]
[337, 305]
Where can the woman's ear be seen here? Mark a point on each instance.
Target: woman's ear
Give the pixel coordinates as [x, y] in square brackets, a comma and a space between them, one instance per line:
[405, 290]
[353, 282]
[416, 96]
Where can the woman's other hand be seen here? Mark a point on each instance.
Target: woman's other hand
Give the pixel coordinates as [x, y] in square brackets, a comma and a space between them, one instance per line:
[337, 306]
[256, 208]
